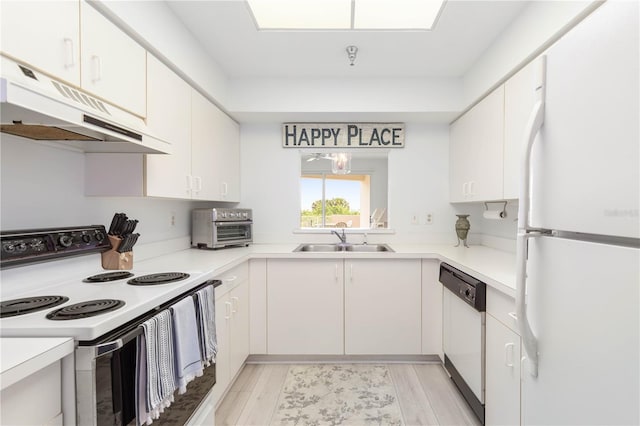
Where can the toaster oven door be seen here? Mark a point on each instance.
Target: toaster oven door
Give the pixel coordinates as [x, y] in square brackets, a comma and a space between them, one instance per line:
[232, 233]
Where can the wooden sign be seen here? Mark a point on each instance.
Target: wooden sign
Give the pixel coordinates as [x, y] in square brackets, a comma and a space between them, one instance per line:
[342, 135]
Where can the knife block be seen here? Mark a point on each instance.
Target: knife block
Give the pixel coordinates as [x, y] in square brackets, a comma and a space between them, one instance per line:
[113, 260]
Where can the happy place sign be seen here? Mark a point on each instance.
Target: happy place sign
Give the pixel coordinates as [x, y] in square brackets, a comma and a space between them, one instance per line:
[343, 135]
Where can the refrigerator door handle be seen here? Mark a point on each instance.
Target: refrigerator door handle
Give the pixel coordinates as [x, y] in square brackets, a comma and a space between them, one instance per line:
[529, 340]
[524, 229]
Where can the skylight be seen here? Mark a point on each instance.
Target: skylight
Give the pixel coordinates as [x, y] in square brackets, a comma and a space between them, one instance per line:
[345, 14]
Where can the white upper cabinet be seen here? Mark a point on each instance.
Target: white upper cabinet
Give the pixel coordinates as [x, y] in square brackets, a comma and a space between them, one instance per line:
[44, 34]
[215, 160]
[205, 160]
[72, 41]
[228, 163]
[476, 151]
[113, 64]
[205, 119]
[168, 118]
[519, 98]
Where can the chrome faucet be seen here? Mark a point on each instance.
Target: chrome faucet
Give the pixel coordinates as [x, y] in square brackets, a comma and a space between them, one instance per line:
[343, 237]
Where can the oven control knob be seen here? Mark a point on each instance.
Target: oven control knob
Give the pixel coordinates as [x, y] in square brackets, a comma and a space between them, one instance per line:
[65, 240]
[86, 238]
[99, 236]
[21, 247]
[9, 248]
[37, 244]
[467, 292]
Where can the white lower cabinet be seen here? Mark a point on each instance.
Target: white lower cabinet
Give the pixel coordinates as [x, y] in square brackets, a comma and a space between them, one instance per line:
[41, 389]
[382, 307]
[431, 309]
[305, 306]
[232, 328]
[335, 306]
[503, 353]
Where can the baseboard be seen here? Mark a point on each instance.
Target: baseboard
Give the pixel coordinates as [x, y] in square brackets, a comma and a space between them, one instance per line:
[338, 359]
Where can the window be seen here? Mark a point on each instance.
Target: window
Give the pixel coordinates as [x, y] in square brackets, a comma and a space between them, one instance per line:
[335, 201]
[354, 200]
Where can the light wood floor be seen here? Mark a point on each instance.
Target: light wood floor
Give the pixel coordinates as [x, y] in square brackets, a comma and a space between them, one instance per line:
[425, 393]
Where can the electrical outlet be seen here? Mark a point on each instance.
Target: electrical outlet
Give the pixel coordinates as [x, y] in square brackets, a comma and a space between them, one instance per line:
[429, 219]
[173, 219]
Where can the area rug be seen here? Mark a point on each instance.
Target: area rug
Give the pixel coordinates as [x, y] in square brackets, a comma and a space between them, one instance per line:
[326, 394]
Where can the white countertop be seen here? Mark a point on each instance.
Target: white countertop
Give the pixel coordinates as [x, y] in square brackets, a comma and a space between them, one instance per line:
[494, 267]
[22, 356]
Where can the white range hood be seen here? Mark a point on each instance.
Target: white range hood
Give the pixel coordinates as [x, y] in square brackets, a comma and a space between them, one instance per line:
[38, 107]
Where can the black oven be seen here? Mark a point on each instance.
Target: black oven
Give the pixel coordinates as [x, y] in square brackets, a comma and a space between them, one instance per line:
[106, 377]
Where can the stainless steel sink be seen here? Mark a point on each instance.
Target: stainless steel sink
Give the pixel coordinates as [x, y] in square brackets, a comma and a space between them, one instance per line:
[318, 247]
[369, 248]
[366, 248]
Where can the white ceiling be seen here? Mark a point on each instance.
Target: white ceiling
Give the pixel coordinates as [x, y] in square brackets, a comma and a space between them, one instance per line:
[465, 29]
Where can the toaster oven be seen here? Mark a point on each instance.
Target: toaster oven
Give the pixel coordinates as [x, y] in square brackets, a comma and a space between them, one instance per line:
[221, 227]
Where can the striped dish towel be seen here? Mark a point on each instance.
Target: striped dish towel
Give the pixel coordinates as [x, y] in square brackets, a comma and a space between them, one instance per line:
[156, 373]
[186, 347]
[206, 316]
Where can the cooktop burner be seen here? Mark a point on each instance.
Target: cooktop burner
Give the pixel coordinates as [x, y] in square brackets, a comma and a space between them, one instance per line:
[86, 309]
[160, 278]
[12, 308]
[108, 276]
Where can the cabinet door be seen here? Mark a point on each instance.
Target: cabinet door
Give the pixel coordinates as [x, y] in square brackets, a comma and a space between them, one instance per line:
[519, 98]
[382, 306]
[502, 405]
[305, 306]
[476, 144]
[204, 125]
[167, 175]
[44, 34]
[459, 160]
[431, 309]
[487, 124]
[239, 331]
[228, 158]
[223, 321]
[113, 64]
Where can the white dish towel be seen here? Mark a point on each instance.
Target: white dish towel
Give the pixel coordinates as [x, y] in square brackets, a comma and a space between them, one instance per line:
[188, 364]
[206, 316]
[156, 373]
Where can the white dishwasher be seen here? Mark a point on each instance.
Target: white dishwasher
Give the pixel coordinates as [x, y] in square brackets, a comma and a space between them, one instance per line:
[464, 334]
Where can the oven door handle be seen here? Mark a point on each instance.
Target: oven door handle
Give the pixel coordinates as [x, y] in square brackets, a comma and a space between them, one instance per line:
[106, 348]
[234, 223]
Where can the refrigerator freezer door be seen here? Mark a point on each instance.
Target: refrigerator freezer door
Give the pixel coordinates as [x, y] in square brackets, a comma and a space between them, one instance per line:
[586, 160]
[583, 306]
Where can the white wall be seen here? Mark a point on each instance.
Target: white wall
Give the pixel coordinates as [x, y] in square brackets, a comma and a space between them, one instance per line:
[439, 96]
[43, 186]
[418, 183]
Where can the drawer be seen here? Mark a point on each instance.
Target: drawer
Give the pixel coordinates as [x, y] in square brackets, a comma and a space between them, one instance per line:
[502, 307]
[232, 278]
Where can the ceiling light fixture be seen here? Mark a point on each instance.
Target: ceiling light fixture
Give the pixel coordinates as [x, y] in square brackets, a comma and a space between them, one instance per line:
[341, 163]
[404, 15]
[351, 54]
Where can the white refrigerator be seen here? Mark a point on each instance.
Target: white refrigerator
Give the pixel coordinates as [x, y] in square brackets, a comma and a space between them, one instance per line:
[578, 298]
